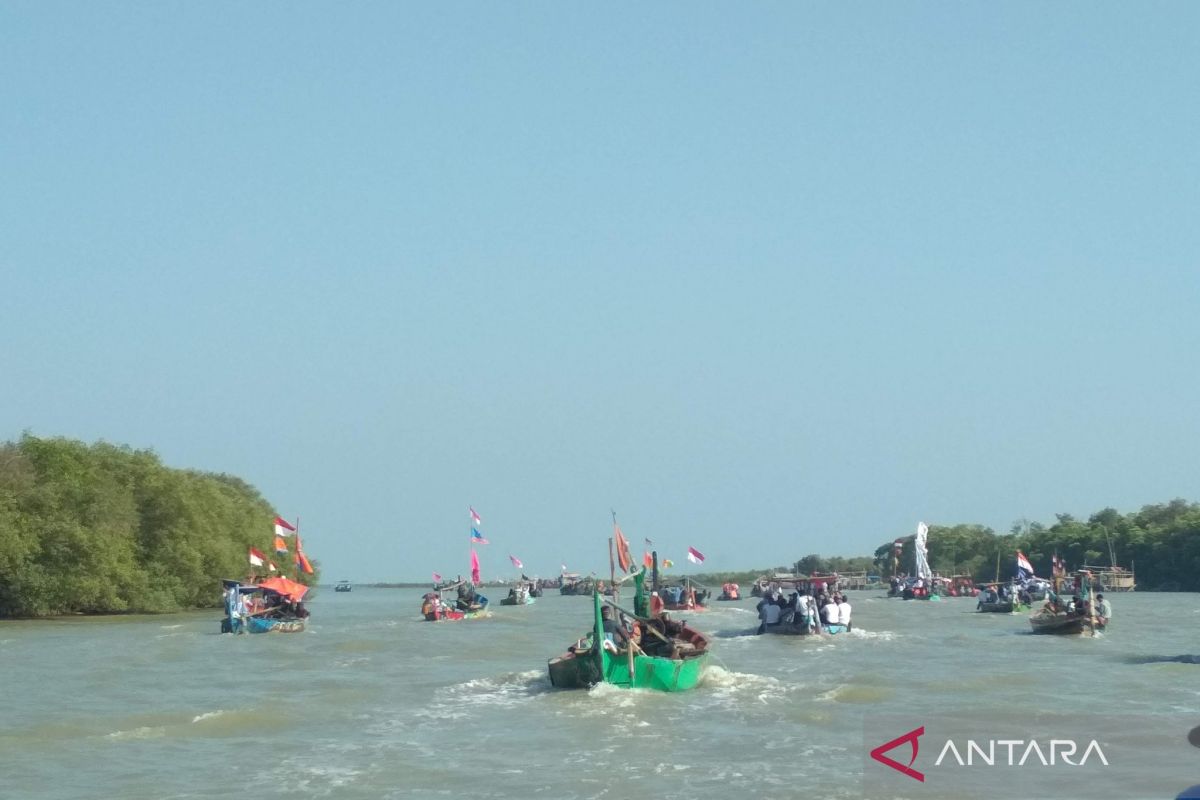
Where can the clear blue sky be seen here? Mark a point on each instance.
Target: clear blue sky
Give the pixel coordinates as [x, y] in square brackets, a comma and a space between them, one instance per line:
[768, 279]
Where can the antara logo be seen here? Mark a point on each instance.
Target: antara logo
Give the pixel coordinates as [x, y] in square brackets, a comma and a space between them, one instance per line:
[912, 738]
[990, 752]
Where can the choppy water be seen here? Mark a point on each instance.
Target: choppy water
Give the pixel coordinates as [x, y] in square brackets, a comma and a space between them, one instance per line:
[372, 702]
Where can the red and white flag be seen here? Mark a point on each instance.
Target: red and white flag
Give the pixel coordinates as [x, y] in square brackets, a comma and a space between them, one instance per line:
[516, 562]
[271, 567]
[256, 557]
[695, 556]
[475, 517]
[283, 527]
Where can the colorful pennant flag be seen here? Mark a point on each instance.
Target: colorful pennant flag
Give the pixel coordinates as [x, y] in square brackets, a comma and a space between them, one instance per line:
[475, 517]
[516, 562]
[302, 563]
[475, 567]
[624, 557]
[256, 557]
[667, 563]
[695, 556]
[477, 537]
[281, 547]
[283, 527]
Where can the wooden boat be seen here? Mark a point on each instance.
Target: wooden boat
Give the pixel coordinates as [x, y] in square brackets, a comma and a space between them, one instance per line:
[1001, 607]
[436, 609]
[800, 628]
[685, 596]
[272, 606]
[790, 624]
[670, 658]
[519, 596]
[1062, 623]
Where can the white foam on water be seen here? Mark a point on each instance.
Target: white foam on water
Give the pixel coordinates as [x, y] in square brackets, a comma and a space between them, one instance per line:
[729, 685]
[508, 690]
[144, 732]
[883, 636]
[170, 627]
[208, 715]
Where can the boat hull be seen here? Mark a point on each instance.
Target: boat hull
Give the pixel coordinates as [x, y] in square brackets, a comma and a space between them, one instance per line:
[1007, 607]
[1062, 624]
[260, 625]
[512, 601]
[800, 629]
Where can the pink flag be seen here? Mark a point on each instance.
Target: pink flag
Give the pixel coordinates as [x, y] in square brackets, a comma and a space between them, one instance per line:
[437, 578]
[475, 517]
[695, 556]
[516, 561]
[475, 567]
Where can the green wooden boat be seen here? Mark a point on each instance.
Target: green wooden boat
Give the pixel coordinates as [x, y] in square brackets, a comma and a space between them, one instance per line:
[670, 658]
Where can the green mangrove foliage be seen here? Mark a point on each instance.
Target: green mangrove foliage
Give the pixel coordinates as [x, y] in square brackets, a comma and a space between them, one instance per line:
[1160, 542]
[104, 529]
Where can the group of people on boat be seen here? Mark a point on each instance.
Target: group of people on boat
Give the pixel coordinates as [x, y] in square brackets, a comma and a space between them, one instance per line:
[804, 609]
[1080, 606]
[1004, 593]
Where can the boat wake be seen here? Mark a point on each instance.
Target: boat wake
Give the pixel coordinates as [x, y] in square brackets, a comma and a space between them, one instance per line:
[510, 689]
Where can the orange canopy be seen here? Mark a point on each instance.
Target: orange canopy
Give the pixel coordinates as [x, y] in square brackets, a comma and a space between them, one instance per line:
[288, 588]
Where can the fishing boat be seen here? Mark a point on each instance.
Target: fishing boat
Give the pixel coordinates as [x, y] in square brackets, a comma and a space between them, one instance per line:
[684, 596]
[790, 620]
[668, 656]
[343, 586]
[1076, 617]
[519, 595]
[574, 584]
[730, 591]
[1001, 607]
[271, 606]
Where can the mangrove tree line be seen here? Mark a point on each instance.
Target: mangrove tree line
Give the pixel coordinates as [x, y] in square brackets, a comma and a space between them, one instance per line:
[106, 529]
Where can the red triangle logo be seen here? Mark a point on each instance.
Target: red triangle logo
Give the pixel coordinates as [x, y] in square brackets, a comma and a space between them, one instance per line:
[911, 737]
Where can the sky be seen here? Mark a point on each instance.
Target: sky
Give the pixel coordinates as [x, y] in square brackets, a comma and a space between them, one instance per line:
[766, 279]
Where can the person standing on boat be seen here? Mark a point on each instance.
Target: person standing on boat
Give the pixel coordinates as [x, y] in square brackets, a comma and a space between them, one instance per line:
[844, 611]
[829, 613]
[1103, 610]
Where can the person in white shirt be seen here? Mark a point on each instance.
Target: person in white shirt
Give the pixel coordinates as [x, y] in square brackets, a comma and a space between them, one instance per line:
[830, 612]
[844, 612]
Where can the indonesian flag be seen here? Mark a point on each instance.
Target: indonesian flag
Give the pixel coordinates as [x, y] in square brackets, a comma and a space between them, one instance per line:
[624, 557]
[283, 527]
[271, 567]
[475, 517]
[516, 562]
[695, 556]
[1024, 568]
[256, 557]
[280, 546]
